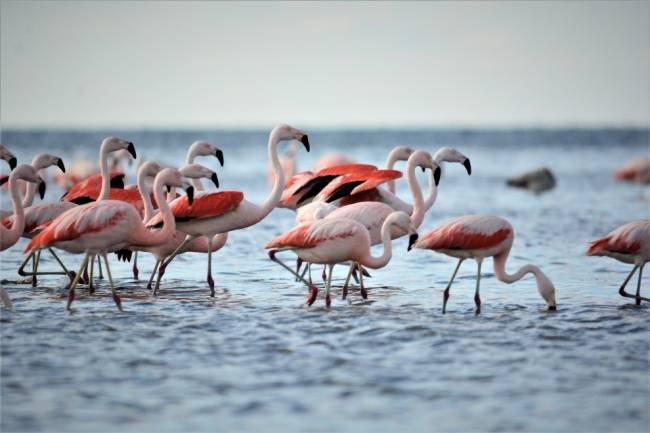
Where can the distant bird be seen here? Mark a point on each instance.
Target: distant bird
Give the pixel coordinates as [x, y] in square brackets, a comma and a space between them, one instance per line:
[629, 243]
[105, 226]
[478, 237]
[221, 212]
[332, 241]
[636, 170]
[330, 160]
[536, 181]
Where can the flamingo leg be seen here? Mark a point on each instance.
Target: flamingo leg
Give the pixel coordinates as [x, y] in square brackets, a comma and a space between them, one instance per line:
[91, 287]
[621, 290]
[313, 292]
[75, 281]
[298, 266]
[477, 298]
[638, 287]
[344, 293]
[116, 297]
[6, 300]
[161, 272]
[21, 269]
[328, 284]
[445, 295]
[99, 266]
[153, 274]
[364, 292]
[56, 257]
[309, 269]
[35, 268]
[136, 271]
[188, 238]
[210, 280]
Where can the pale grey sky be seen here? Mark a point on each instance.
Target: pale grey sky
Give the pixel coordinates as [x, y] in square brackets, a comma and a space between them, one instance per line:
[139, 64]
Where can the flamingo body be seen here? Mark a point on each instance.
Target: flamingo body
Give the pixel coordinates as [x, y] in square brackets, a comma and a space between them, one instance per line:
[629, 243]
[89, 189]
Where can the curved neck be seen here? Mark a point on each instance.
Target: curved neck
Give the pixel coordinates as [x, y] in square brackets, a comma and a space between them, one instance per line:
[191, 154]
[432, 194]
[31, 191]
[103, 168]
[418, 204]
[390, 163]
[382, 260]
[503, 275]
[146, 199]
[276, 193]
[11, 235]
[157, 237]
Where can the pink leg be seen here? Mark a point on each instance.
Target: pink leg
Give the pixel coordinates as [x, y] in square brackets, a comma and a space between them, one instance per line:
[445, 295]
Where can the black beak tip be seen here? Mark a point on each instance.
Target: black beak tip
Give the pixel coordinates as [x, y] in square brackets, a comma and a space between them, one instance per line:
[436, 175]
[552, 308]
[468, 166]
[41, 189]
[219, 155]
[61, 165]
[169, 188]
[131, 150]
[13, 162]
[190, 195]
[412, 239]
[305, 140]
[215, 179]
[422, 169]
[4, 180]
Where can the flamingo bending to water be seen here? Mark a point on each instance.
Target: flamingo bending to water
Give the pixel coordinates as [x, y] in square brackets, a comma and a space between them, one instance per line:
[221, 212]
[629, 243]
[478, 237]
[108, 225]
[332, 241]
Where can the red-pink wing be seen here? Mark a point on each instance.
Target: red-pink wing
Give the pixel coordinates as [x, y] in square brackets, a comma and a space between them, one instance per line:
[369, 180]
[457, 237]
[89, 187]
[338, 170]
[298, 237]
[207, 205]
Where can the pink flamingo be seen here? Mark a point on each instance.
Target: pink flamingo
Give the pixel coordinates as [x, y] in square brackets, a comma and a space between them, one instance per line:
[6, 155]
[332, 241]
[221, 212]
[9, 236]
[477, 237]
[105, 226]
[636, 170]
[629, 243]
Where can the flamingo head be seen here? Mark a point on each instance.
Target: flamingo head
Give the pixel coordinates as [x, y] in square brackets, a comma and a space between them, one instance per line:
[149, 169]
[8, 156]
[172, 177]
[197, 171]
[424, 160]
[28, 173]
[44, 160]
[113, 144]
[285, 132]
[546, 290]
[449, 154]
[403, 223]
[400, 153]
[203, 148]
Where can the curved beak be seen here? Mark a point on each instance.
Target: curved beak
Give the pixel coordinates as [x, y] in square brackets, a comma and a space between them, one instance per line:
[436, 175]
[41, 189]
[422, 169]
[190, 194]
[468, 166]
[215, 179]
[219, 155]
[552, 308]
[304, 140]
[412, 239]
[4, 180]
[12, 162]
[131, 150]
[169, 188]
[60, 164]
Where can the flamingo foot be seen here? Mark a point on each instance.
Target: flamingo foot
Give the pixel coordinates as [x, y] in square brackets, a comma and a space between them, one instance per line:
[118, 301]
[70, 299]
[313, 293]
[35, 282]
[364, 293]
[85, 277]
[344, 294]
[445, 298]
[136, 272]
[477, 301]
[211, 284]
[149, 287]
[328, 300]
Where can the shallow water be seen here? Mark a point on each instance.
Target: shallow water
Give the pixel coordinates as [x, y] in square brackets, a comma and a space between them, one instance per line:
[255, 358]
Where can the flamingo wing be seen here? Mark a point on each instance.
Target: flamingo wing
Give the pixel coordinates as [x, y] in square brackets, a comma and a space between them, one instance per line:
[205, 205]
[310, 235]
[88, 189]
[467, 233]
[323, 177]
[292, 185]
[630, 238]
[356, 183]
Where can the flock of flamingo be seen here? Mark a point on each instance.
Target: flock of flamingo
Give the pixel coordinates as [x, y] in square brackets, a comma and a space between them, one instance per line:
[342, 209]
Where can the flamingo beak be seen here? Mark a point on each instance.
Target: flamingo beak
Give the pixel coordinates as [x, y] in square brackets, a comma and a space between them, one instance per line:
[60, 164]
[169, 188]
[304, 140]
[422, 169]
[131, 150]
[436, 175]
[190, 194]
[12, 162]
[4, 180]
[41, 189]
[215, 179]
[552, 308]
[219, 155]
[412, 239]
[468, 166]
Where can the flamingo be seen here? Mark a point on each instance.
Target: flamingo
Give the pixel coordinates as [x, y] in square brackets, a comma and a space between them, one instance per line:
[9, 236]
[8, 156]
[477, 237]
[108, 225]
[332, 241]
[630, 243]
[221, 212]
[636, 170]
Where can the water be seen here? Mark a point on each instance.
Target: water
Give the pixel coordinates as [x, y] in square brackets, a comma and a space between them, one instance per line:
[255, 358]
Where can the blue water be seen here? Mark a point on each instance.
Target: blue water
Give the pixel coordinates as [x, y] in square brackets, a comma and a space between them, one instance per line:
[255, 358]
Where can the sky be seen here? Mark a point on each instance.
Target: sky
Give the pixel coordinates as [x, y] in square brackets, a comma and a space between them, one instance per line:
[327, 64]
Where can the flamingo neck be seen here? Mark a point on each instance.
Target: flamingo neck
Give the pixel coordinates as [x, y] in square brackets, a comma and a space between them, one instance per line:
[158, 237]
[382, 260]
[432, 193]
[103, 168]
[146, 199]
[28, 200]
[417, 215]
[191, 154]
[278, 184]
[11, 235]
[390, 163]
[503, 275]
